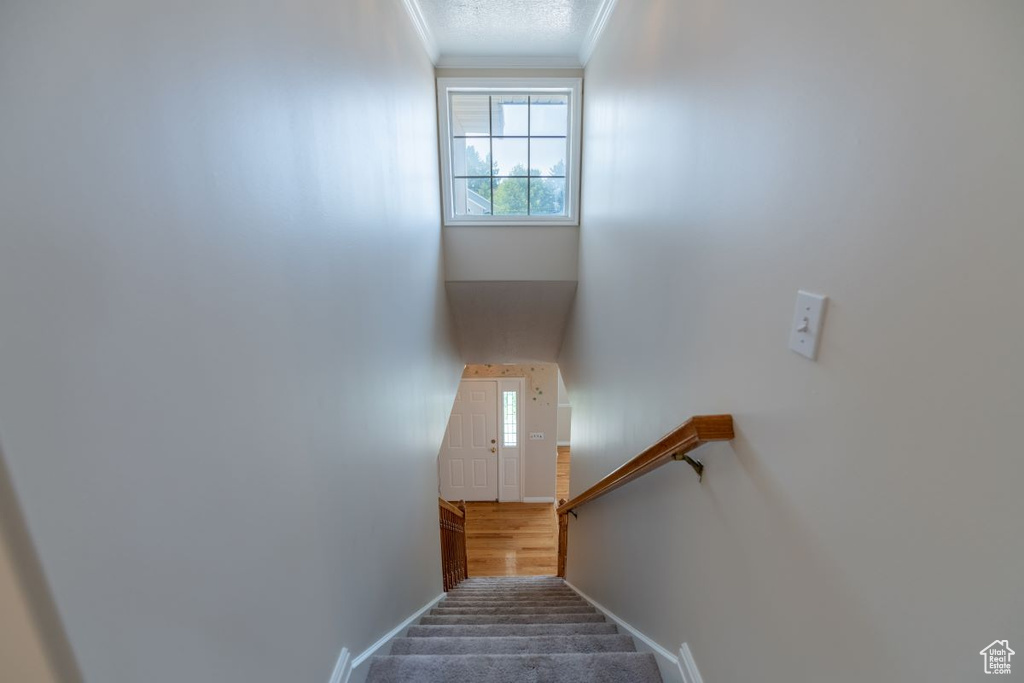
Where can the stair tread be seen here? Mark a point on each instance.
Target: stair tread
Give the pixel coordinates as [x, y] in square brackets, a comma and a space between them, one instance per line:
[604, 667]
[513, 630]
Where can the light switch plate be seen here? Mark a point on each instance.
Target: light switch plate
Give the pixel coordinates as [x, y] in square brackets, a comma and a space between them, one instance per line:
[536, 436]
[805, 334]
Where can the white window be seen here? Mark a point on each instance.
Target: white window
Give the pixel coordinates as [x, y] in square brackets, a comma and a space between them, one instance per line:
[510, 419]
[510, 150]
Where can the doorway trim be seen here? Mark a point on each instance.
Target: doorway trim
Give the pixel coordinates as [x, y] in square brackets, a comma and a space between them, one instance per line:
[520, 384]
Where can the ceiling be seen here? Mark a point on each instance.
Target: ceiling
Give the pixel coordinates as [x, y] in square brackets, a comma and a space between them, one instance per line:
[510, 322]
[559, 30]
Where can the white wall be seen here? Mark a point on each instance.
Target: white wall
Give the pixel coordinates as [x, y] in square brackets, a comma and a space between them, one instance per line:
[507, 72]
[521, 253]
[859, 528]
[564, 413]
[221, 288]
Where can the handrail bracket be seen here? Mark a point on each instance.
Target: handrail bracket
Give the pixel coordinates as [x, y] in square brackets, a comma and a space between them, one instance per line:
[697, 465]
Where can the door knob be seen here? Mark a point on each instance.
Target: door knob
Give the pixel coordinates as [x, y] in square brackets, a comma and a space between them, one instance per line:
[493, 449]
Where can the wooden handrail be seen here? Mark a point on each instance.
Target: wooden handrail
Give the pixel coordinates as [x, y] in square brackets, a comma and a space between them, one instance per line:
[450, 508]
[675, 445]
[692, 434]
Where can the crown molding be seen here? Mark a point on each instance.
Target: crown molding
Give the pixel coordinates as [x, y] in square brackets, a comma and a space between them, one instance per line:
[458, 62]
[604, 12]
[412, 8]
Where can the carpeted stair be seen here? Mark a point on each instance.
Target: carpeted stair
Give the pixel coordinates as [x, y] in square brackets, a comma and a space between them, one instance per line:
[514, 630]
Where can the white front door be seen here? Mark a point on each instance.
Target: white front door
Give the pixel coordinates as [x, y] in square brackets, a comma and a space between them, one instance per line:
[469, 456]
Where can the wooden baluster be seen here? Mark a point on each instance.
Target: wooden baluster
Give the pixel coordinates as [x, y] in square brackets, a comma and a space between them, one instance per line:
[448, 546]
[444, 559]
[563, 539]
[456, 555]
[444, 549]
[440, 519]
[452, 578]
[464, 574]
[452, 524]
[446, 554]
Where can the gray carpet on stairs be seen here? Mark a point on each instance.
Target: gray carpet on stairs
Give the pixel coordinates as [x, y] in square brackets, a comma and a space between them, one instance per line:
[513, 630]
[512, 646]
[572, 609]
[504, 630]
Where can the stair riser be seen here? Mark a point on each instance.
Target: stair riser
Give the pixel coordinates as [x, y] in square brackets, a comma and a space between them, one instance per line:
[511, 630]
[496, 595]
[455, 611]
[505, 583]
[521, 598]
[522, 645]
[512, 619]
[513, 603]
[536, 589]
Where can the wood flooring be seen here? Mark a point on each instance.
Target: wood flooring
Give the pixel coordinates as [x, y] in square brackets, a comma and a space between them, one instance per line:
[516, 539]
[511, 539]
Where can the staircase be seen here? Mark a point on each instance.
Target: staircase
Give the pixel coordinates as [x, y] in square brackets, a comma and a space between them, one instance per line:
[514, 630]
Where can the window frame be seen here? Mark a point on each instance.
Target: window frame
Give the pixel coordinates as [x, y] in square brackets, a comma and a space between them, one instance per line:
[505, 415]
[499, 85]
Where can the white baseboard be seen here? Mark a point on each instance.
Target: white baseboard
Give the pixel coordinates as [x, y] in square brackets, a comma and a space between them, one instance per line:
[397, 631]
[342, 670]
[688, 667]
[668, 663]
[539, 499]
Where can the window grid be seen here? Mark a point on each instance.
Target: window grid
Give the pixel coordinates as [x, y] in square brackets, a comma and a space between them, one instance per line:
[529, 149]
[510, 419]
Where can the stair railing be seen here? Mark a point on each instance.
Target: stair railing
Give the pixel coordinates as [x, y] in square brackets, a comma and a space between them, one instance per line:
[676, 445]
[454, 564]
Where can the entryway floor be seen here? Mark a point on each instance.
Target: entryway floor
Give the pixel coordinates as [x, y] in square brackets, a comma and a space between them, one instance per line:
[511, 539]
[516, 539]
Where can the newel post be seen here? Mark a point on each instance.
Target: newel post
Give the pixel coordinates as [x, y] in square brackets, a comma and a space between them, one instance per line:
[563, 539]
[462, 542]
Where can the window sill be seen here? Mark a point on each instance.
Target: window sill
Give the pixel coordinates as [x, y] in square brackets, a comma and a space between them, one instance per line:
[512, 223]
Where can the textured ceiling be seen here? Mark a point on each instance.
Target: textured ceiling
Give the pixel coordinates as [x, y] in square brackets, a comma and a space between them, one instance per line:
[509, 28]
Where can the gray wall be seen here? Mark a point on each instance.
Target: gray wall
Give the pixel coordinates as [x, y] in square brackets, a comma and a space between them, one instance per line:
[221, 289]
[861, 527]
